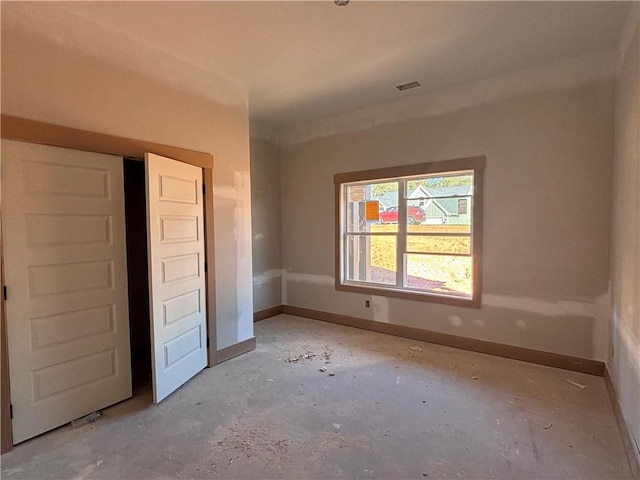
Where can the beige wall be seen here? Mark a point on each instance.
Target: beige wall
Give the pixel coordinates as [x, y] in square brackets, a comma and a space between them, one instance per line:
[53, 75]
[624, 359]
[265, 224]
[547, 217]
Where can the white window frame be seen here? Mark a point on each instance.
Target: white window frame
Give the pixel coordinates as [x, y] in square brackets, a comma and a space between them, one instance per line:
[402, 174]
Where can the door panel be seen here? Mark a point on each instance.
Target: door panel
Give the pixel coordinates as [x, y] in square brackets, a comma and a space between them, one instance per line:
[65, 270]
[176, 272]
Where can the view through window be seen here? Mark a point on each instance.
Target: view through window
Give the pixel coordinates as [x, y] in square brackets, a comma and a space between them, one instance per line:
[414, 234]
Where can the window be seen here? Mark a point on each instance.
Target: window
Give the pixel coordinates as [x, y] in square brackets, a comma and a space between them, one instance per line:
[412, 232]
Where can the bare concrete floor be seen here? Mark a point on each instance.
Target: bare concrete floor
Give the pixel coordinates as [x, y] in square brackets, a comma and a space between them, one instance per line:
[385, 407]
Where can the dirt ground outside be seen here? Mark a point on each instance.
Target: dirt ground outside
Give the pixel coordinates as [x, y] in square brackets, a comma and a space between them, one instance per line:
[438, 273]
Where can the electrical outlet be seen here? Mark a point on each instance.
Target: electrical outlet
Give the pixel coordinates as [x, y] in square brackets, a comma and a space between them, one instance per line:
[367, 303]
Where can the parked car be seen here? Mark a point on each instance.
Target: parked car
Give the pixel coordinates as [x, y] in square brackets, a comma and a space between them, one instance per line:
[390, 215]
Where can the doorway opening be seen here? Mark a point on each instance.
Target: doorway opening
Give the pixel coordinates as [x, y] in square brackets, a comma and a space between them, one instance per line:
[135, 202]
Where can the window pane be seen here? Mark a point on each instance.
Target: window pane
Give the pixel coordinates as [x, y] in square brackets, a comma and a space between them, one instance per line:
[415, 214]
[427, 229]
[384, 228]
[371, 259]
[371, 204]
[427, 253]
[386, 194]
[437, 244]
[460, 184]
[440, 274]
[356, 220]
[443, 199]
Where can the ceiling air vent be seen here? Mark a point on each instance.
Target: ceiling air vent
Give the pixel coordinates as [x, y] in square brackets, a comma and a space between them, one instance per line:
[408, 86]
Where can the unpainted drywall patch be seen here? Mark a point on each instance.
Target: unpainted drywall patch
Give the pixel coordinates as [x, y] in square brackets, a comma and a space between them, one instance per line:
[601, 326]
[324, 280]
[380, 308]
[549, 308]
[267, 277]
[232, 211]
[623, 334]
[630, 310]
[625, 369]
[478, 322]
[244, 261]
[225, 192]
[283, 288]
[455, 320]
[521, 324]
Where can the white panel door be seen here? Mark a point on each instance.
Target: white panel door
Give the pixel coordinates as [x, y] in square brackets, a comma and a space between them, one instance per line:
[66, 277]
[176, 272]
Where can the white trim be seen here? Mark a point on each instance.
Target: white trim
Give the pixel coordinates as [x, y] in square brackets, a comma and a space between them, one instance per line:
[562, 74]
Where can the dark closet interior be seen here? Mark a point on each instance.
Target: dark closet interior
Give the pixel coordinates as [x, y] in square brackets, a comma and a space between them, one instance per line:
[137, 271]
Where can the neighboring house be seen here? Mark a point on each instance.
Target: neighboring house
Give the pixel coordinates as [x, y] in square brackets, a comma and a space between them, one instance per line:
[441, 205]
[445, 204]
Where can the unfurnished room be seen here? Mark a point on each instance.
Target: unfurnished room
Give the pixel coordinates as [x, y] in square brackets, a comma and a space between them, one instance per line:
[320, 239]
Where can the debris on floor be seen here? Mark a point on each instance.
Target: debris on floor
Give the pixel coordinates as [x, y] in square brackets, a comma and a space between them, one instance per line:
[322, 369]
[575, 384]
[309, 354]
[298, 358]
[474, 378]
[547, 427]
[250, 437]
[90, 418]
[285, 429]
[328, 351]
[332, 374]
[414, 351]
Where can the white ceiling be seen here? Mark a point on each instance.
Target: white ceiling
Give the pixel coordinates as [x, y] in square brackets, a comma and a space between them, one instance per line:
[303, 60]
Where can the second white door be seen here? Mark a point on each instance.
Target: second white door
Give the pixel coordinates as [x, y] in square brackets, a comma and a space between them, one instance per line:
[176, 272]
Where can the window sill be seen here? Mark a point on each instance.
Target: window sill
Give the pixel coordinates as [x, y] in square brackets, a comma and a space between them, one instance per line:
[382, 291]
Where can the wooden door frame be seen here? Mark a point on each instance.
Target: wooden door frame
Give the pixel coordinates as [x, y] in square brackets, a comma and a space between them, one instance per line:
[31, 131]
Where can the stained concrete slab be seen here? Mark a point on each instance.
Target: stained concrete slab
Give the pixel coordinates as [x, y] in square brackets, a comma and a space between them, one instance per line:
[317, 400]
